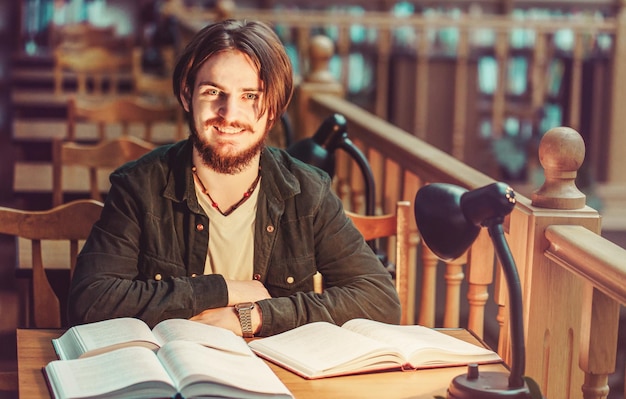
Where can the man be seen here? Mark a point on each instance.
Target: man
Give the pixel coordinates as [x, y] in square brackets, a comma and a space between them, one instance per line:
[220, 228]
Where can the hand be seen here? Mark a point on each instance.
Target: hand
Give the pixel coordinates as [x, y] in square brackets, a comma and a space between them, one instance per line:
[228, 318]
[245, 291]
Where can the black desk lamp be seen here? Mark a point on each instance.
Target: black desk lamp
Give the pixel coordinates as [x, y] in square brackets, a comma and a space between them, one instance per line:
[449, 219]
[319, 150]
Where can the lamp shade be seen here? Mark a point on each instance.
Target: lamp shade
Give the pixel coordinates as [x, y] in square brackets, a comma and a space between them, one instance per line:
[449, 217]
[441, 222]
[319, 150]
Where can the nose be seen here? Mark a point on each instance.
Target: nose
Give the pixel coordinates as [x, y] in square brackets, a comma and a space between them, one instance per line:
[229, 108]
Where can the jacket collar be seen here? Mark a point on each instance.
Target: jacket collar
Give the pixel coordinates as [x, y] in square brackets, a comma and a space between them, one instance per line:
[278, 182]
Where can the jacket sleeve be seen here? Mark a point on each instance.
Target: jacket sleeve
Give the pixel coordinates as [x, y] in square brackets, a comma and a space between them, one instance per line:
[356, 285]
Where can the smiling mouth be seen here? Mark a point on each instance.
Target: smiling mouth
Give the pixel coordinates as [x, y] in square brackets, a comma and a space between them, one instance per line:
[229, 129]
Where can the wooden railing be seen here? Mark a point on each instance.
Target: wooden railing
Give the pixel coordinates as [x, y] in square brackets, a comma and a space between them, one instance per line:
[554, 237]
[572, 278]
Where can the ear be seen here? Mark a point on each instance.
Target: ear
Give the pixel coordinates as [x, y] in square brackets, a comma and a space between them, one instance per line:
[185, 98]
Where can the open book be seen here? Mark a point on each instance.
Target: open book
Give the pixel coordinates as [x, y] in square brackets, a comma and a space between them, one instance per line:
[104, 336]
[178, 369]
[322, 349]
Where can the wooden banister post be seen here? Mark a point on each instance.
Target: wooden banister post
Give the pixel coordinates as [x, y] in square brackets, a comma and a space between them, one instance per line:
[554, 301]
[428, 294]
[225, 9]
[318, 80]
[561, 153]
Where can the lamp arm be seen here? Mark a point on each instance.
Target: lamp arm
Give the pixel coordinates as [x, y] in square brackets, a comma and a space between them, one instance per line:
[370, 201]
[518, 351]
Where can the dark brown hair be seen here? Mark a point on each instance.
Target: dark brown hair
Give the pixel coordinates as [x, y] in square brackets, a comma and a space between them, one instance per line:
[255, 39]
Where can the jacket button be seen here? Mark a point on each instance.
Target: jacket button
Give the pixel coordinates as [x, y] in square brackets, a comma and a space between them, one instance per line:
[290, 280]
[256, 276]
[158, 277]
[200, 227]
[193, 274]
[270, 229]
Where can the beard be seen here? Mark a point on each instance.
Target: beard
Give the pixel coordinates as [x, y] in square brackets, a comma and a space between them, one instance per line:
[225, 163]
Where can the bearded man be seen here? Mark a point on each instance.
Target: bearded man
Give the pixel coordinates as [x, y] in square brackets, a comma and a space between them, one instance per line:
[220, 228]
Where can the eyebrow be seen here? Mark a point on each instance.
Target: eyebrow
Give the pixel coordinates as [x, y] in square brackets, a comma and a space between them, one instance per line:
[209, 83]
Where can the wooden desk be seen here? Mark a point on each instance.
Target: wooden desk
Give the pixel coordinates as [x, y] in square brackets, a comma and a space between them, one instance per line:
[34, 351]
[46, 129]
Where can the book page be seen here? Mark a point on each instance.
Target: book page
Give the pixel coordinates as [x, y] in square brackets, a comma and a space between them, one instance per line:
[323, 349]
[95, 338]
[199, 370]
[110, 374]
[211, 336]
[422, 345]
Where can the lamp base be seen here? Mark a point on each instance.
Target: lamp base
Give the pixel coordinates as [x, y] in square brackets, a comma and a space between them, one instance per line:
[487, 385]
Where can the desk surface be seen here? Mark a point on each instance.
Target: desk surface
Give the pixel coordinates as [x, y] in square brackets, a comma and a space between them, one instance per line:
[34, 351]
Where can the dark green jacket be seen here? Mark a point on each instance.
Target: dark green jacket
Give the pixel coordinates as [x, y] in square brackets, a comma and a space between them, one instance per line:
[145, 256]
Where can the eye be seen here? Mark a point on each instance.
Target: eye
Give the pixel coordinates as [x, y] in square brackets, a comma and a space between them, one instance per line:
[211, 92]
[251, 96]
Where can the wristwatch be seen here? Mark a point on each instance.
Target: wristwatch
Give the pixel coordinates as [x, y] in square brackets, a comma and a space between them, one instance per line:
[245, 318]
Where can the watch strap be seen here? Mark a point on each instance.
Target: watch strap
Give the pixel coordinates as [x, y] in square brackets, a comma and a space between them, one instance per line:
[244, 310]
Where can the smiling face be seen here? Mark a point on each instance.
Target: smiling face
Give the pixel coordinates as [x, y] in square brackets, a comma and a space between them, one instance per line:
[229, 128]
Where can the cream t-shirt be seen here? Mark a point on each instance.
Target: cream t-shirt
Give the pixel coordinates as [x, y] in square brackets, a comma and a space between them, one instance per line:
[231, 238]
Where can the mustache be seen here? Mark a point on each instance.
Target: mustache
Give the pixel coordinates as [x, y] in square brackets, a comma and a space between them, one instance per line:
[221, 123]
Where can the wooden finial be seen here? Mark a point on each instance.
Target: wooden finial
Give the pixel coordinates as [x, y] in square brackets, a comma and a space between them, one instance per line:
[321, 51]
[225, 9]
[561, 153]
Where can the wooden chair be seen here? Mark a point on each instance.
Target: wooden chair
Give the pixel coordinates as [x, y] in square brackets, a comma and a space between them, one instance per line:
[394, 226]
[67, 225]
[126, 112]
[98, 68]
[106, 155]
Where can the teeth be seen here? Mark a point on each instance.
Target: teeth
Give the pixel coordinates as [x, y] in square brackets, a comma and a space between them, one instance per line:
[229, 130]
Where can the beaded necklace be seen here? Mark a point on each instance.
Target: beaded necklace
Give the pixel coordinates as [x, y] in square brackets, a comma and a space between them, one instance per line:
[243, 199]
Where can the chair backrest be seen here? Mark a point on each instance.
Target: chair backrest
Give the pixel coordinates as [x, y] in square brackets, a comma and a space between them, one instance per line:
[105, 155]
[396, 227]
[68, 225]
[123, 111]
[98, 68]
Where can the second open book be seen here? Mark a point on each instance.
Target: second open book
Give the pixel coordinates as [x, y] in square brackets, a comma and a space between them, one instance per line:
[322, 349]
